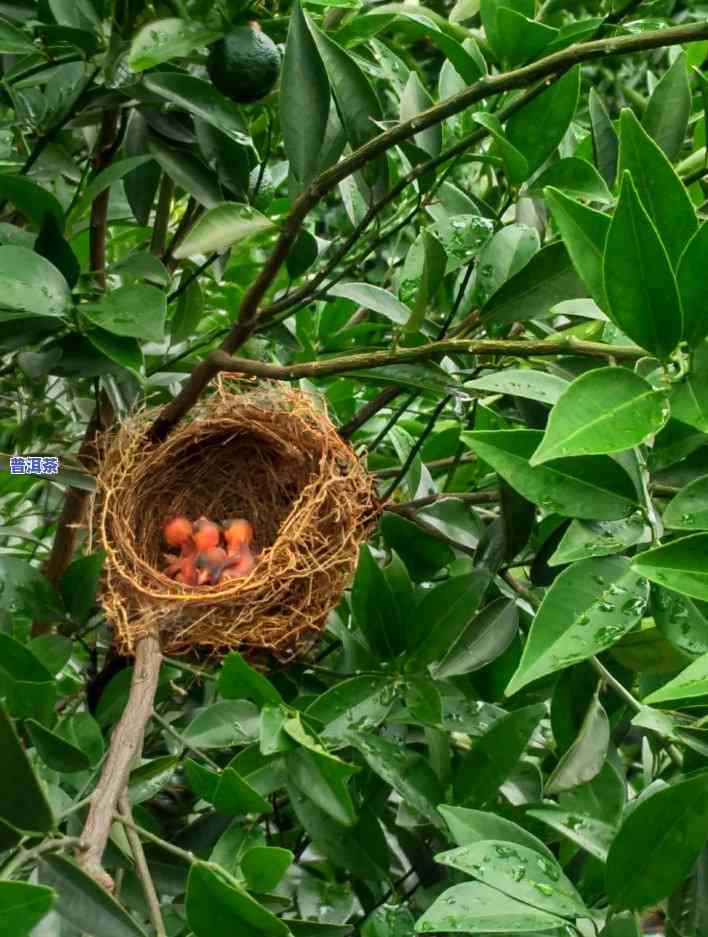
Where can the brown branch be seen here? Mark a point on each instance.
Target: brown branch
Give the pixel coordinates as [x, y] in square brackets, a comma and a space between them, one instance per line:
[431, 466]
[469, 497]
[126, 745]
[381, 400]
[487, 86]
[141, 866]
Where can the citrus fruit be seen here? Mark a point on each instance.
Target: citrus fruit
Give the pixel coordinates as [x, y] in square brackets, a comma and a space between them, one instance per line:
[244, 65]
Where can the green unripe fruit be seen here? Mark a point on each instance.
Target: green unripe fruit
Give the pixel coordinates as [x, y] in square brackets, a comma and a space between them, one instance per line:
[244, 65]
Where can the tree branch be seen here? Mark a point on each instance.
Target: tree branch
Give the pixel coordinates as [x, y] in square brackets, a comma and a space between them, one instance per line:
[141, 867]
[126, 744]
[99, 208]
[487, 86]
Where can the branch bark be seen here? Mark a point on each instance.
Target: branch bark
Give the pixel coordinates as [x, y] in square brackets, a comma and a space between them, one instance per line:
[125, 746]
[99, 208]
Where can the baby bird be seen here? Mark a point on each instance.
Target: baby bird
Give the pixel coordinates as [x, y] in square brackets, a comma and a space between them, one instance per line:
[240, 561]
[210, 564]
[206, 534]
[178, 533]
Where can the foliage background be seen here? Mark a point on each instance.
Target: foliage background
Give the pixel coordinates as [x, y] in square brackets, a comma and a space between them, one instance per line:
[503, 302]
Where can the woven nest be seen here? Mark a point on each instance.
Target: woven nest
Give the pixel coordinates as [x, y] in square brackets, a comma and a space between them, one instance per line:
[272, 456]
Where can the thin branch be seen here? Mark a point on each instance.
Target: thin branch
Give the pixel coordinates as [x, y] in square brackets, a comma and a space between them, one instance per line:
[162, 216]
[99, 208]
[186, 281]
[141, 867]
[362, 416]
[126, 744]
[470, 497]
[23, 856]
[415, 449]
[431, 466]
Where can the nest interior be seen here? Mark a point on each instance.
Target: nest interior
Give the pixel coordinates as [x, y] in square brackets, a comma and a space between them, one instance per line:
[272, 456]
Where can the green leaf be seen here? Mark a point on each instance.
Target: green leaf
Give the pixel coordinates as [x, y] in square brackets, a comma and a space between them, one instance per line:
[227, 791]
[604, 410]
[141, 184]
[167, 39]
[223, 724]
[22, 905]
[507, 252]
[422, 553]
[30, 284]
[357, 104]
[662, 194]
[640, 285]
[574, 177]
[688, 510]
[522, 382]
[374, 607]
[187, 171]
[115, 172]
[538, 127]
[79, 583]
[22, 800]
[669, 107]
[587, 608]
[54, 751]
[524, 39]
[584, 233]
[470, 826]
[584, 539]
[443, 616]
[592, 487]
[691, 683]
[605, 143]
[548, 278]
[483, 770]
[201, 99]
[671, 822]
[692, 287]
[322, 779]
[478, 909]
[238, 680]
[434, 265]
[593, 835]
[189, 311]
[484, 639]
[15, 41]
[364, 700]
[681, 565]
[489, 10]
[264, 866]
[151, 777]
[124, 351]
[515, 163]
[223, 226]
[304, 102]
[586, 756]
[30, 199]
[83, 903]
[136, 311]
[374, 298]
[540, 883]
[408, 773]
[217, 904]
[682, 621]
[415, 99]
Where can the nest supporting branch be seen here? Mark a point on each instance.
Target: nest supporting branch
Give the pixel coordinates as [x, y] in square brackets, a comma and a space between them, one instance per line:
[125, 747]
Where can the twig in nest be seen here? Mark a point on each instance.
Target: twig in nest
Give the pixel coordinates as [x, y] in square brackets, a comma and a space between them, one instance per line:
[126, 745]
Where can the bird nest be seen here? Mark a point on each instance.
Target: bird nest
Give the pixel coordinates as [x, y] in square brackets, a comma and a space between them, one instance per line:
[270, 455]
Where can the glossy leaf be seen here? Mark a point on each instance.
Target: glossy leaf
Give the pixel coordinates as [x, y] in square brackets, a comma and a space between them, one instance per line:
[592, 487]
[22, 800]
[483, 770]
[688, 510]
[238, 680]
[221, 724]
[531, 384]
[584, 233]
[605, 143]
[476, 908]
[22, 905]
[586, 756]
[216, 903]
[187, 171]
[414, 100]
[584, 539]
[15, 41]
[515, 163]
[470, 826]
[668, 109]
[304, 102]
[692, 287]
[674, 819]
[136, 311]
[662, 194]
[548, 278]
[201, 99]
[691, 683]
[587, 608]
[681, 565]
[640, 285]
[54, 751]
[574, 177]
[504, 254]
[444, 616]
[518, 872]
[537, 129]
[167, 39]
[29, 284]
[593, 835]
[223, 226]
[30, 199]
[83, 903]
[264, 866]
[374, 298]
[104, 180]
[605, 410]
[485, 638]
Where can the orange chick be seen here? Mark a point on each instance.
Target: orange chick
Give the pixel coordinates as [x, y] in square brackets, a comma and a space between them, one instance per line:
[206, 534]
[178, 532]
[210, 564]
[239, 564]
[236, 533]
